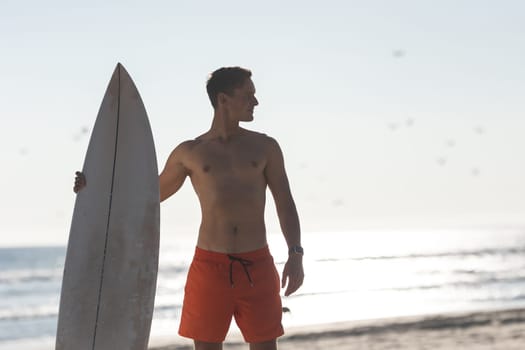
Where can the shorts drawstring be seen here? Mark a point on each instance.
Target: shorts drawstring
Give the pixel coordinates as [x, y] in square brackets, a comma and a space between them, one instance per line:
[244, 263]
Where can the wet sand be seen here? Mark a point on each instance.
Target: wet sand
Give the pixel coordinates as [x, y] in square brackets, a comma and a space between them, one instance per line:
[495, 330]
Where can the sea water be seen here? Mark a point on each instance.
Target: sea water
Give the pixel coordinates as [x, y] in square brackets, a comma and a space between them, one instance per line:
[351, 275]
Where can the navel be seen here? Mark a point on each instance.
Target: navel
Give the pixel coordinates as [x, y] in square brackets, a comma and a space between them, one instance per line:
[206, 168]
[235, 230]
[254, 163]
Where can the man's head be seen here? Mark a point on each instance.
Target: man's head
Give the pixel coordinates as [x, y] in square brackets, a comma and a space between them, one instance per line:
[232, 93]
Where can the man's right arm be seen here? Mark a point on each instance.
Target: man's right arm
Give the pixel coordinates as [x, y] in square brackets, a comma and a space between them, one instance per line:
[170, 180]
[174, 173]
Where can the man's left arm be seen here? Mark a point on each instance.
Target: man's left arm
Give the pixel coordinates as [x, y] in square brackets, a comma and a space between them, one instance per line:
[277, 180]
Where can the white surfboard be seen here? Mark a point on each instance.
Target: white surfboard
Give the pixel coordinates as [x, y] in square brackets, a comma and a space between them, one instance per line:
[111, 264]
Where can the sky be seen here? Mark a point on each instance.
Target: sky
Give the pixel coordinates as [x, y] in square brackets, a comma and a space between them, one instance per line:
[390, 114]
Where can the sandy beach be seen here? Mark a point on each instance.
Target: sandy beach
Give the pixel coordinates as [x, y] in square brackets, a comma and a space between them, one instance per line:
[495, 330]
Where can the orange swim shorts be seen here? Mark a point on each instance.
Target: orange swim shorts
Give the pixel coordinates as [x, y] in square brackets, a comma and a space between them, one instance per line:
[219, 286]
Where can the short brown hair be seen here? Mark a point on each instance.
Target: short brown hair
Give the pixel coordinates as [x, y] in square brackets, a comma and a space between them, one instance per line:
[225, 80]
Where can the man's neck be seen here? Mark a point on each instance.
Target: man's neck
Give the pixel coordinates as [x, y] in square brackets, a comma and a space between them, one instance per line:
[223, 128]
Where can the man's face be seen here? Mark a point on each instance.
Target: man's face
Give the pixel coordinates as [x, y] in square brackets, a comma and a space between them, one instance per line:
[242, 102]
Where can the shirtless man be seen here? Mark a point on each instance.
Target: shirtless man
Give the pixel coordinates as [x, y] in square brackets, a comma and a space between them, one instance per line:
[232, 273]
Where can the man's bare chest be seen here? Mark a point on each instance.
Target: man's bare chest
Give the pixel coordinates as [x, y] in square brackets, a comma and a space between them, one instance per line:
[230, 160]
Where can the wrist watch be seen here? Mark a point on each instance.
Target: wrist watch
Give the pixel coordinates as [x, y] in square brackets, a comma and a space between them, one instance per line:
[296, 249]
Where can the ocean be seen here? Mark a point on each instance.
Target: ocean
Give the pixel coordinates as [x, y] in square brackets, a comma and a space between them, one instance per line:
[352, 275]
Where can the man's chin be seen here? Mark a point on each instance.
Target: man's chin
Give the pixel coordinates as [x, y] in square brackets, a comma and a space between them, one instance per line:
[247, 119]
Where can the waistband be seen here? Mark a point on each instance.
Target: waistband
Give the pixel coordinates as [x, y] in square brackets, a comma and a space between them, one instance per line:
[253, 256]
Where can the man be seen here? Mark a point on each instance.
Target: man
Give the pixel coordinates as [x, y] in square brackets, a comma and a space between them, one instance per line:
[232, 273]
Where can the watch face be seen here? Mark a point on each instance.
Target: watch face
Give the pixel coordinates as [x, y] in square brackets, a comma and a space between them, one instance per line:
[297, 250]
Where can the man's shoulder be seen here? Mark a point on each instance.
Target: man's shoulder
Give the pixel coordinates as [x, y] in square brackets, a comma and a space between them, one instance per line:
[186, 146]
[189, 144]
[259, 136]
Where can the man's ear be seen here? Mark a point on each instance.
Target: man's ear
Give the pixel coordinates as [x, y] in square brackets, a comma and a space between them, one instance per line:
[222, 98]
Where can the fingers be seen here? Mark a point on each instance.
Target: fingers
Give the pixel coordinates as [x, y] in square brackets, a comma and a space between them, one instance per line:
[294, 276]
[80, 181]
[285, 276]
[293, 285]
